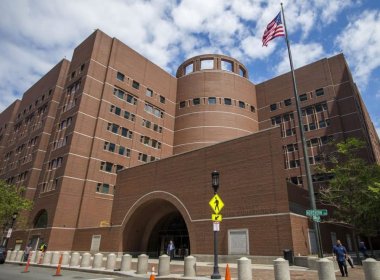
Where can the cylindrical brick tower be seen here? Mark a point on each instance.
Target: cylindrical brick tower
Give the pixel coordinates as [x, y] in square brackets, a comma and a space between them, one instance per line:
[216, 102]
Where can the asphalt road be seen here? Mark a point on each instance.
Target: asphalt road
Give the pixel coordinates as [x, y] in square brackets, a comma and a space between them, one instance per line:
[14, 272]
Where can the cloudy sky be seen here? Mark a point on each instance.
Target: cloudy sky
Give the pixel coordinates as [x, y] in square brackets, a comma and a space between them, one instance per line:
[35, 35]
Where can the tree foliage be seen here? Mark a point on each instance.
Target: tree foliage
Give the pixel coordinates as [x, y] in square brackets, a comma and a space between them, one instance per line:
[354, 191]
[11, 201]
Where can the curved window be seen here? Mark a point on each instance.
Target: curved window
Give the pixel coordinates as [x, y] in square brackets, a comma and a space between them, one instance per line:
[41, 219]
[189, 69]
[226, 65]
[207, 64]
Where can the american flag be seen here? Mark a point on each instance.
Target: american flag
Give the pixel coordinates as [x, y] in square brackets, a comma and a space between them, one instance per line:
[274, 29]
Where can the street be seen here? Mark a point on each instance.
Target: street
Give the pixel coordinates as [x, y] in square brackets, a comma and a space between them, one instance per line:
[14, 272]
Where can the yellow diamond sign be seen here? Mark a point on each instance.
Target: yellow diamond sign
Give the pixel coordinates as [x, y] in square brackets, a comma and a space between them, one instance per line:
[216, 217]
[216, 204]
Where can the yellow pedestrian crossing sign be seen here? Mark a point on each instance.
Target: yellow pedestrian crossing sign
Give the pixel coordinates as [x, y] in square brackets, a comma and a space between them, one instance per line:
[216, 217]
[216, 204]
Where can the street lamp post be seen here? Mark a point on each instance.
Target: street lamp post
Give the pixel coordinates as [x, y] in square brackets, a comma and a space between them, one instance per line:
[14, 216]
[215, 186]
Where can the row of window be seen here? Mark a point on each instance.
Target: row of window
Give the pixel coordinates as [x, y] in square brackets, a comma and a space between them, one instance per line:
[151, 125]
[118, 111]
[208, 64]
[322, 177]
[282, 118]
[310, 110]
[312, 160]
[307, 127]
[77, 71]
[65, 123]
[318, 141]
[150, 142]
[151, 109]
[121, 150]
[216, 100]
[128, 97]
[50, 186]
[55, 163]
[60, 142]
[36, 102]
[110, 167]
[146, 158]
[125, 132]
[302, 97]
[136, 85]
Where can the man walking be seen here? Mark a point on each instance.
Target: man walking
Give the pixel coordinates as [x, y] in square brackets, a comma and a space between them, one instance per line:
[340, 253]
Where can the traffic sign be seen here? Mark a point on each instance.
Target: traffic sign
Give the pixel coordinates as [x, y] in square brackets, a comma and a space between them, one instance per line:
[317, 219]
[216, 217]
[216, 204]
[216, 226]
[316, 212]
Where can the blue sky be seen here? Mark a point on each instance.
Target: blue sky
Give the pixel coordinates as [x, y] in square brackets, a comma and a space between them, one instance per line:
[35, 35]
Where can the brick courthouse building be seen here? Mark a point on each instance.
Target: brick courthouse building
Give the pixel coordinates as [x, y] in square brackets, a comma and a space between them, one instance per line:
[117, 154]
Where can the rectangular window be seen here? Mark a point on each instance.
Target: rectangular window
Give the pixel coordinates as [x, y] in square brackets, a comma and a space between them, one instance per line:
[119, 93]
[106, 166]
[226, 65]
[135, 85]
[303, 97]
[182, 104]
[211, 100]
[273, 107]
[241, 104]
[312, 126]
[119, 167]
[253, 109]
[319, 92]
[120, 76]
[149, 92]
[309, 110]
[290, 132]
[294, 163]
[207, 64]
[305, 127]
[115, 128]
[117, 111]
[162, 99]
[288, 102]
[322, 124]
[131, 99]
[103, 188]
[196, 101]
[227, 101]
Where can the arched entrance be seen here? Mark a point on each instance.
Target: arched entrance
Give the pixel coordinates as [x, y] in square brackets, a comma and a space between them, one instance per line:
[150, 228]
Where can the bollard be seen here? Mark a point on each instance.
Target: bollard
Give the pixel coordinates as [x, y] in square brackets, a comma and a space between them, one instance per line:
[86, 260]
[13, 256]
[9, 252]
[111, 261]
[325, 269]
[47, 257]
[371, 269]
[281, 269]
[126, 262]
[142, 264]
[164, 265]
[190, 266]
[55, 258]
[19, 256]
[244, 269]
[74, 261]
[65, 259]
[98, 261]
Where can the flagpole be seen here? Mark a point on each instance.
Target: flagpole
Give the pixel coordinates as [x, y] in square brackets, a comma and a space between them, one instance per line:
[304, 146]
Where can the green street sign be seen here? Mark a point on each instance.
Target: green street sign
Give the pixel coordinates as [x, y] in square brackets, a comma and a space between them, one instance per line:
[317, 219]
[316, 212]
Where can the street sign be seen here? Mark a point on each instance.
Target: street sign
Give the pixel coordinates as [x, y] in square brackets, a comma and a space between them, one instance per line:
[9, 233]
[216, 217]
[316, 212]
[317, 219]
[216, 226]
[216, 204]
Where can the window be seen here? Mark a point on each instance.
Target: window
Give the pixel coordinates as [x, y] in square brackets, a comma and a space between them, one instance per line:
[319, 92]
[146, 123]
[135, 85]
[82, 67]
[253, 109]
[124, 151]
[312, 126]
[114, 128]
[241, 71]
[276, 120]
[106, 166]
[241, 104]
[312, 142]
[296, 180]
[196, 101]
[288, 117]
[227, 101]
[120, 76]
[143, 157]
[211, 100]
[131, 99]
[102, 188]
[149, 92]
[288, 102]
[305, 127]
[109, 146]
[162, 99]
[309, 110]
[226, 65]
[207, 64]
[182, 104]
[189, 69]
[294, 163]
[119, 93]
[72, 74]
[326, 139]
[273, 107]
[322, 124]
[303, 97]
[119, 167]
[292, 147]
[126, 133]
[129, 116]
[290, 132]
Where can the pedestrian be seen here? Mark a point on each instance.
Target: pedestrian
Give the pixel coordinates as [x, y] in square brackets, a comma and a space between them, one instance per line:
[43, 247]
[363, 249]
[170, 250]
[27, 250]
[340, 253]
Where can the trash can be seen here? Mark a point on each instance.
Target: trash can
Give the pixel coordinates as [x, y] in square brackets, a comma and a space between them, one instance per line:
[288, 255]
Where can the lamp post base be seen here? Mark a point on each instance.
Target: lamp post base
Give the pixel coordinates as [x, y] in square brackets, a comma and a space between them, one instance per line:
[216, 276]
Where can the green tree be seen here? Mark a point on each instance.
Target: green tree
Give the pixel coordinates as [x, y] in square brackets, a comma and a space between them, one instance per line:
[354, 189]
[11, 201]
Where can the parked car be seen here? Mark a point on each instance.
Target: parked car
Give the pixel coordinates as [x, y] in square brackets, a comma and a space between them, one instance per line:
[3, 254]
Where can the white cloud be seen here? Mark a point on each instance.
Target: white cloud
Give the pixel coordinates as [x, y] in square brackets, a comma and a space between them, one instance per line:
[302, 54]
[360, 42]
